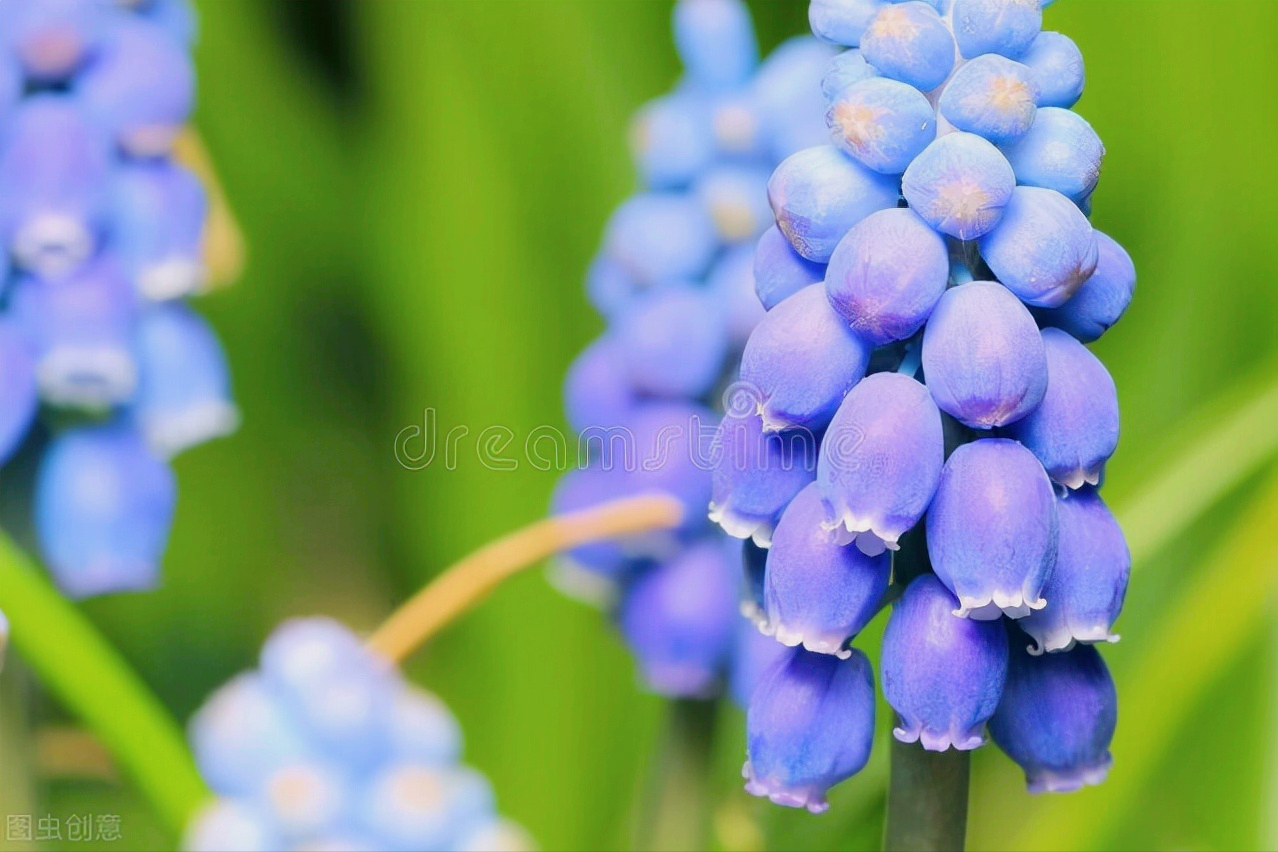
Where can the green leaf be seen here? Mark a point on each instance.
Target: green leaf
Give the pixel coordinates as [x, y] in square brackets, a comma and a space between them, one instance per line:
[91, 679]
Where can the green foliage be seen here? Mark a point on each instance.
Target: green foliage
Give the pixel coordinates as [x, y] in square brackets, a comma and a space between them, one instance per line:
[423, 245]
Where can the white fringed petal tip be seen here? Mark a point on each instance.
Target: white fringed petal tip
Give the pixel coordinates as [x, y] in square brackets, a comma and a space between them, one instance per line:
[1012, 604]
[779, 794]
[939, 740]
[1069, 780]
[792, 638]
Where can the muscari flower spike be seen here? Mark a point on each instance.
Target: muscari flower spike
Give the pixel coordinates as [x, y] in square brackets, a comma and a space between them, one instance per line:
[101, 235]
[676, 280]
[968, 410]
[326, 746]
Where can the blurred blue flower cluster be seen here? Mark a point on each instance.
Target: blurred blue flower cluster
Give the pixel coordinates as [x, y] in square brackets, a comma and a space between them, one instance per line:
[930, 288]
[327, 747]
[100, 244]
[674, 282]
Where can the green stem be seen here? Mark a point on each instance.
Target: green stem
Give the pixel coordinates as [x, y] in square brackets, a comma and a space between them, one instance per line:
[678, 815]
[927, 800]
[90, 678]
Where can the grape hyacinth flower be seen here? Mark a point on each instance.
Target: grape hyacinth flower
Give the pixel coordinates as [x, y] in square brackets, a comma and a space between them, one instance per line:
[992, 529]
[325, 745]
[880, 461]
[962, 426]
[983, 356]
[1102, 299]
[817, 593]
[802, 360]
[1057, 717]
[941, 673]
[810, 725]
[1074, 430]
[1086, 589]
[104, 230]
[682, 286]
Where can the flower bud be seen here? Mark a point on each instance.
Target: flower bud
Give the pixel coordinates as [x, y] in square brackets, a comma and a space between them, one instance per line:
[881, 123]
[845, 69]
[659, 237]
[909, 42]
[1074, 430]
[103, 506]
[1102, 299]
[715, 40]
[671, 140]
[1061, 152]
[842, 21]
[184, 389]
[670, 456]
[942, 674]
[983, 356]
[819, 193]
[779, 270]
[1057, 66]
[82, 333]
[54, 168]
[802, 359]
[596, 390]
[1057, 717]
[337, 689]
[752, 656]
[887, 274]
[159, 212]
[53, 38]
[819, 593]
[241, 735]
[679, 620]
[992, 97]
[959, 185]
[787, 98]
[736, 198]
[731, 285]
[992, 529]
[1043, 248]
[1005, 27]
[1086, 590]
[672, 341]
[880, 460]
[809, 726]
[610, 560]
[223, 824]
[408, 805]
[757, 474]
[141, 89]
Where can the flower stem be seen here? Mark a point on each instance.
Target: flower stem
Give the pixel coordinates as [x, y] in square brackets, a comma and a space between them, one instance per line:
[678, 811]
[90, 678]
[927, 800]
[469, 581]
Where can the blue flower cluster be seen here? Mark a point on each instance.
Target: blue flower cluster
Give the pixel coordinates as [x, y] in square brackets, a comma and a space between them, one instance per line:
[675, 283]
[930, 290]
[327, 747]
[99, 245]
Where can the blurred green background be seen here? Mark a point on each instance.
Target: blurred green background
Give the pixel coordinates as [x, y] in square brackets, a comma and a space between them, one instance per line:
[422, 184]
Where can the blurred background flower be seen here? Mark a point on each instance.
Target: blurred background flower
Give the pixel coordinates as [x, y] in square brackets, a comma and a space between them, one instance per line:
[422, 184]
